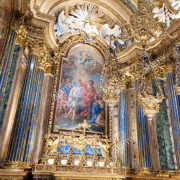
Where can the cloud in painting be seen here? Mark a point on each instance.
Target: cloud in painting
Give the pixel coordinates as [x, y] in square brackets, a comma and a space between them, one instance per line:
[89, 65]
[69, 69]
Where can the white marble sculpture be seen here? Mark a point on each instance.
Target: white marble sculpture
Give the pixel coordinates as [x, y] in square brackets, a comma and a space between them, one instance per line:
[105, 31]
[65, 24]
[88, 29]
[71, 23]
[164, 15]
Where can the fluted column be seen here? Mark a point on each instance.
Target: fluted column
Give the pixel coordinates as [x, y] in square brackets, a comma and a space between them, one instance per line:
[24, 128]
[143, 137]
[130, 126]
[174, 112]
[6, 64]
[18, 33]
[123, 136]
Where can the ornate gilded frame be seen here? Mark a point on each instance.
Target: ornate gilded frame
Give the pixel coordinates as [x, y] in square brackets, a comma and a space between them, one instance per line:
[96, 43]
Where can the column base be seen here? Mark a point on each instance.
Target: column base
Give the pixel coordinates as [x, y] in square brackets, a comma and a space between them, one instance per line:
[128, 170]
[145, 171]
[17, 165]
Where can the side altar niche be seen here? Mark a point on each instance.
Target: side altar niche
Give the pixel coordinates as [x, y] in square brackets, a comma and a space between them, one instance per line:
[79, 153]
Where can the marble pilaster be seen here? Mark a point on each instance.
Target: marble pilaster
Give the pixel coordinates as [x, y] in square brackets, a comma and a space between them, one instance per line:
[153, 142]
[43, 116]
[123, 134]
[13, 97]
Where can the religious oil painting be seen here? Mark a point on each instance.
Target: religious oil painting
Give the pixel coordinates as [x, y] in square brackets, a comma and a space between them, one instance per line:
[79, 95]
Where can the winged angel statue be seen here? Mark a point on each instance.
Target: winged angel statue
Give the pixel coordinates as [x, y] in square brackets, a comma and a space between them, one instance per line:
[88, 19]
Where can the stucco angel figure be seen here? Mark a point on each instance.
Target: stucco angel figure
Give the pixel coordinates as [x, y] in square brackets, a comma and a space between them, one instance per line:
[90, 28]
[106, 32]
[164, 15]
[65, 25]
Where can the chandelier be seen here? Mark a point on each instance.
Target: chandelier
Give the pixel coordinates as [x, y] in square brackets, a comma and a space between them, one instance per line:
[111, 83]
[177, 68]
[145, 30]
[146, 97]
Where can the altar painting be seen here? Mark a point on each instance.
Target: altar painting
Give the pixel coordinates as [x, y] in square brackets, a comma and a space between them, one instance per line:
[79, 96]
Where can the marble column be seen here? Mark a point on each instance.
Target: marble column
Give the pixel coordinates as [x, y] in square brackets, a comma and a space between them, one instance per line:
[174, 112]
[24, 128]
[115, 129]
[134, 125]
[43, 117]
[123, 134]
[6, 64]
[142, 135]
[130, 136]
[163, 133]
[10, 100]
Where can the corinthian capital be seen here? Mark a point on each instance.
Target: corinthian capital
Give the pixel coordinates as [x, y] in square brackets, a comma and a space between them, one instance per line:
[45, 63]
[20, 28]
[35, 46]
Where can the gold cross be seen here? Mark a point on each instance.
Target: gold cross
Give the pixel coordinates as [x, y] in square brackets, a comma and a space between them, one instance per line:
[84, 125]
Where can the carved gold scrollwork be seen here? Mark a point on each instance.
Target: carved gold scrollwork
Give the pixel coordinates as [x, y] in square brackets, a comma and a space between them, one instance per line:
[20, 29]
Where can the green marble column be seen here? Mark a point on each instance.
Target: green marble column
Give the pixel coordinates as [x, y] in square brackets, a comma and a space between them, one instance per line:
[163, 133]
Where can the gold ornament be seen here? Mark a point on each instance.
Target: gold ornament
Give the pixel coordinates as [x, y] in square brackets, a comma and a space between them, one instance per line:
[111, 83]
[146, 98]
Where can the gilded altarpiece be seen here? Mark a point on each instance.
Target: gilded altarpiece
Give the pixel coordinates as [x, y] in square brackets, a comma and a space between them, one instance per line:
[76, 96]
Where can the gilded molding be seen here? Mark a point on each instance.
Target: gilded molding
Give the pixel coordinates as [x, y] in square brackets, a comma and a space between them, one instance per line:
[11, 177]
[16, 165]
[48, 28]
[170, 8]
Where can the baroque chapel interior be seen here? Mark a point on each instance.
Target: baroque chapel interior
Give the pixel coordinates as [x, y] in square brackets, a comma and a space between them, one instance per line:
[90, 89]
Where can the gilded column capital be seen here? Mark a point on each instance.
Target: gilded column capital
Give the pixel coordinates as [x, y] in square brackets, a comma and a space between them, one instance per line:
[126, 79]
[21, 30]
[169, 68]
[135, 74]
[35, 47]
[44, 63]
